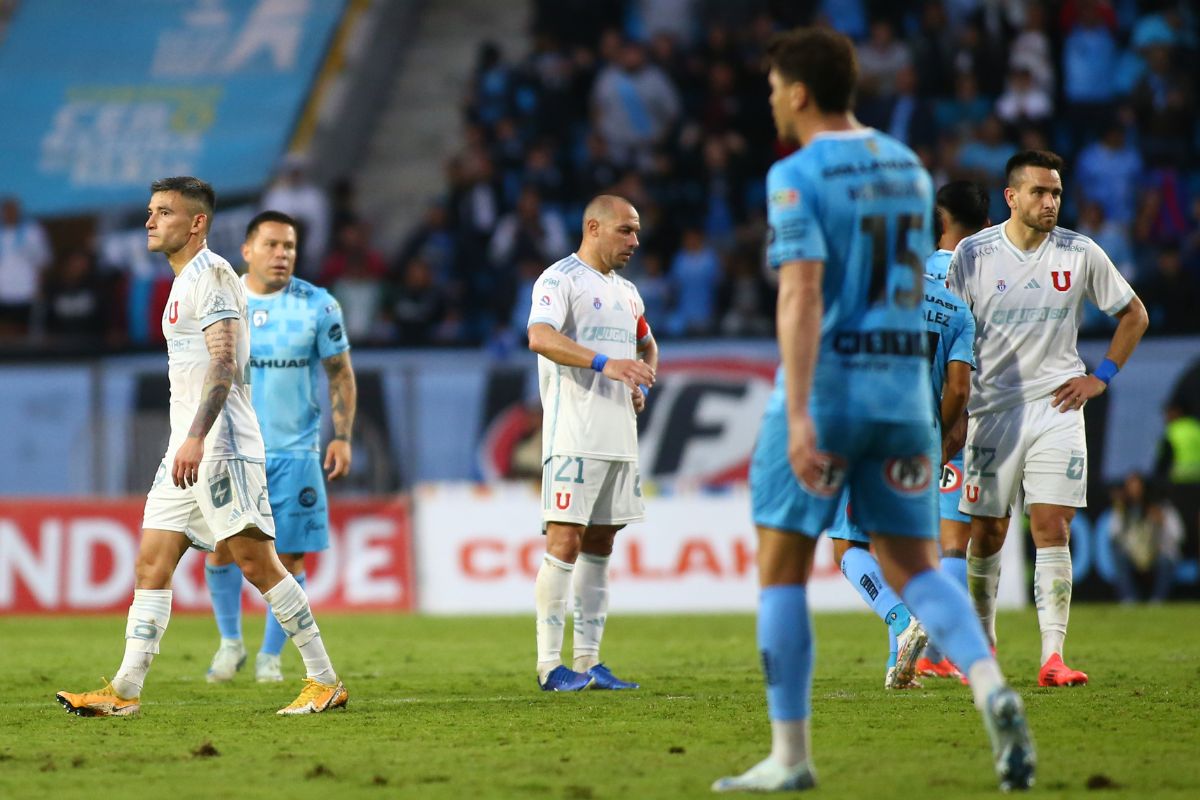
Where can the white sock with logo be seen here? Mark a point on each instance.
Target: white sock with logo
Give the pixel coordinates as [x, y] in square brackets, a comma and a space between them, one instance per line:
[983, 581]
[790, 742]
[1052, 596]
[147, 622]
[591, 609]
[550, 594]
[290, 606]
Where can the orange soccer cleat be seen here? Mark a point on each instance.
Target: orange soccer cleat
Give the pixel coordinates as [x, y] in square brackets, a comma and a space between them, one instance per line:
[1055, 673]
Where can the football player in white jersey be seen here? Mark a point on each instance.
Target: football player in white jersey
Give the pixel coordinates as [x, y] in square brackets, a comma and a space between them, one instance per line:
[596, 362]
[211, 486]
[1025, 281]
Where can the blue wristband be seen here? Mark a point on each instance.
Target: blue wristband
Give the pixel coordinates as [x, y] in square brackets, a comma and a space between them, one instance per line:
[645, 390]
[1106, 371]
[599, 361]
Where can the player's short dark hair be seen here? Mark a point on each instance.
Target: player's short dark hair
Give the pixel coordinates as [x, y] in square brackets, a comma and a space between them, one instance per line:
[193, 189]
[1032, 158]
[966, 202]
[270, 216]
[821, 59]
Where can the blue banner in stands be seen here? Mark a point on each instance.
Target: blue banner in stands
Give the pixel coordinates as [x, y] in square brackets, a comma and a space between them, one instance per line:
[99, 99]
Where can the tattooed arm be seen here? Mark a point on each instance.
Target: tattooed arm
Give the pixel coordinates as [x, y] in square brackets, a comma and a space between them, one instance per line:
[221, 340]
[343, 400]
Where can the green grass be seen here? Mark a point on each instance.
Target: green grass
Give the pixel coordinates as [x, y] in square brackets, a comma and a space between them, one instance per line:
[448, 708]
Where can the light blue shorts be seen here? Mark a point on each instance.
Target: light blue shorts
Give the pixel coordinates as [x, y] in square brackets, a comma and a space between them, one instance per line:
[885, 468]
[296, 487]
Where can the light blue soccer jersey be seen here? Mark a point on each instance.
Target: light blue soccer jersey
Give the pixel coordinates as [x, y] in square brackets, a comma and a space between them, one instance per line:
[862, 203]
[290, 332]
[937, 266]
[951, 330]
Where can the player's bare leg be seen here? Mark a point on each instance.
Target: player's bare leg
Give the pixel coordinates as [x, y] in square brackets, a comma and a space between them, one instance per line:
[591, 606]
[551, 596]
[254, 552]
[944, 609]
[983, 569]
[785, 642]
[1051, 526]
[158, 556]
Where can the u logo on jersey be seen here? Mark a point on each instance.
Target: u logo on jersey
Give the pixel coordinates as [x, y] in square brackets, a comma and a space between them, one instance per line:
[1064, 283]
[173, 312]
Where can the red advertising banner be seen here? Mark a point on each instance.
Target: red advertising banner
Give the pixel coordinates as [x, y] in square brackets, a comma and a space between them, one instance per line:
[71, 556]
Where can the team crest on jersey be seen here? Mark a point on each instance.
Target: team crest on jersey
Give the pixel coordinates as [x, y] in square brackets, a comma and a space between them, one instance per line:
[1062, 280]
[783, 198]
[173, 312]
[596, 303]
[910, 475]
[829, 480]
[1001, 286]
[259, 317]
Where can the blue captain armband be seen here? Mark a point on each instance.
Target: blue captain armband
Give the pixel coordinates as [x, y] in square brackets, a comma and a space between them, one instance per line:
[599, 361]
[1106, 371]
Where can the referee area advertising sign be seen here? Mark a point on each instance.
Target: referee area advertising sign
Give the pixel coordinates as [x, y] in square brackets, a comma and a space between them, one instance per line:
[72, 556]
[127, 96]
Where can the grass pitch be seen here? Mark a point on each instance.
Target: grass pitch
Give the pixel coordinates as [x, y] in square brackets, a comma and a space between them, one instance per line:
[448, 708]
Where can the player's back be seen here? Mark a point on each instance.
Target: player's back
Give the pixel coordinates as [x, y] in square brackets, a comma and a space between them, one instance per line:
[291, 331]
[861, 202]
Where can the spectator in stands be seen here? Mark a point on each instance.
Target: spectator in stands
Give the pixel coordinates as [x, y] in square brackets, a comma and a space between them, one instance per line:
[903, 113]
[1146, 532]
[24, 256]
[1164, 100]
[634, 106]
[1032, 48]
[1107, 173]
[933, 52]
[846, 16]
[416, 305]
[649, 275]
[1190, 251]
[1024, 102]
[354, 272]
[1113, 237]
[78, 302]
[983, 158]
[432, 241]
[490, 92]
[1170, 295]
[747, 303]
[1090, 55]
[528, 232]
[694, 273]
[880, 59]
[296, 195]
[966, 110]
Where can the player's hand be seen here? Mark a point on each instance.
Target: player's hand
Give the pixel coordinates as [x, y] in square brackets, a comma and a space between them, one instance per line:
[803, 455]
[337, 459]
[1076, 392]
[629, 372]
[186, 469]
[639, 400]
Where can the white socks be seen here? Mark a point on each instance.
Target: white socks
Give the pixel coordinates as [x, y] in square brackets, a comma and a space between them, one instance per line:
[550, 594]
[148, 617]
[290, 606]
[985, 678]
[983, 581]
[1052, 596]
[790, 742]
[591, 609]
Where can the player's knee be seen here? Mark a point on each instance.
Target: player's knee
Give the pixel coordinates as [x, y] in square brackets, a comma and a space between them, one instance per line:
[152, 572]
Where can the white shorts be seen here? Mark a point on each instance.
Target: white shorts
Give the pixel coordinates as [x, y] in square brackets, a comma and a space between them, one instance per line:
[1032, 446]
[588, 491]
[229, 497]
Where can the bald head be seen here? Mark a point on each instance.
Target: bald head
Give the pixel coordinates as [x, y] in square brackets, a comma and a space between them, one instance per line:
[610, 232]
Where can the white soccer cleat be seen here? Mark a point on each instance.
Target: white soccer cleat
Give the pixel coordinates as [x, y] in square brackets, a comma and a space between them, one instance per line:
[769, 775]
[1012, 745]
[267, 668]
[229, 658]
[909, 646]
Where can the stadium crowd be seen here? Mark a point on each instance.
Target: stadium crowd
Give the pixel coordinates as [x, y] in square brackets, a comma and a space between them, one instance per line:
[664, 102]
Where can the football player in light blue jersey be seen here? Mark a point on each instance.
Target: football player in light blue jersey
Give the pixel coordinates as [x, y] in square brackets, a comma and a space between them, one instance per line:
[961, 210]
[850, 217]
[294, 325]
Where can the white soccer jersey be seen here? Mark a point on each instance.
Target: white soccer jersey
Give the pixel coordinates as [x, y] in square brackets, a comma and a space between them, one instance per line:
[1027, 309]
[585, 413]
[205, 291]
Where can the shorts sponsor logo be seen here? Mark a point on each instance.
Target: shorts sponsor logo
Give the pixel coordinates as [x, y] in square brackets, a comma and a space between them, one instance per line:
[259, 317]
[971, 493]
[911, 475]
[952, 479]
[562, 500]
[830, 478]
[1061, 280]
[335, 332]
[218, 489]
[308, 497]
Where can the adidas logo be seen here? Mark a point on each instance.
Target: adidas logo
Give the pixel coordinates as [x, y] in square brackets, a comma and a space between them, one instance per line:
[1033, 284]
